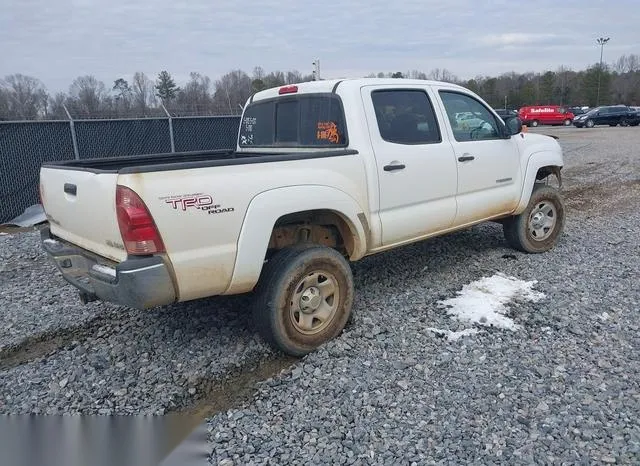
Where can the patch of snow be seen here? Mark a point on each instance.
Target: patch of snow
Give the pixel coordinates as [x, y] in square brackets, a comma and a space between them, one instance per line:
[453, 336]
[483, 301]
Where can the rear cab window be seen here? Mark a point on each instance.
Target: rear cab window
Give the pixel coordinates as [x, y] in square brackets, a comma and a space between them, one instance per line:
[300, 121]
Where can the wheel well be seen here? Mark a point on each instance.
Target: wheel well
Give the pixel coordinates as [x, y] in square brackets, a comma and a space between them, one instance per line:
[547, 171]
[325, 227]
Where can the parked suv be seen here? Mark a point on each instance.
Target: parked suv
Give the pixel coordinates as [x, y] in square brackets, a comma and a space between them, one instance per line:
[545, 115]
[611, 115]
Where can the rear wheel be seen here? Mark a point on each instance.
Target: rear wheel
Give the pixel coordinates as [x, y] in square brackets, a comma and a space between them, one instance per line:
[535, 123]
[538, 228]
[303, 298]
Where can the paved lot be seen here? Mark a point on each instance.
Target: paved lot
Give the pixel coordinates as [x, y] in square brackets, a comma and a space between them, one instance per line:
[562, 385]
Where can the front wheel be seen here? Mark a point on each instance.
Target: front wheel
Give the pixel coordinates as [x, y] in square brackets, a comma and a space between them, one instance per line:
[567, 122]
[589, 124]
[303, 298]
[538, 228]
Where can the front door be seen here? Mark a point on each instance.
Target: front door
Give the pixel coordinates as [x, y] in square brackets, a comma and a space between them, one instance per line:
[489, 178]
[416, 167]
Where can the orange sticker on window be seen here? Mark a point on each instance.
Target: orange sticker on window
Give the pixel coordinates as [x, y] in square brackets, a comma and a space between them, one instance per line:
[328, 130]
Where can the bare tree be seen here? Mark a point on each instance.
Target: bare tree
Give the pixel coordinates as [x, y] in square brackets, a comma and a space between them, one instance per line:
[25, 97]
[4, 105]
[56, 106]
[415, 74]
[258, 73]
[143, 93]
[293, 77]
[273, 79]
[234, 88]
[444, 74]
[195, 97]
[87, 93]
[627, 64]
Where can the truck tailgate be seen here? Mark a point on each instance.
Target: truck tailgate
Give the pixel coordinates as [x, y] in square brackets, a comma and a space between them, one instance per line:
[80, 207]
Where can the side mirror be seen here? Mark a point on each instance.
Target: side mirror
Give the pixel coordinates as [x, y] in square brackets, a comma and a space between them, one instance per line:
[513, 124]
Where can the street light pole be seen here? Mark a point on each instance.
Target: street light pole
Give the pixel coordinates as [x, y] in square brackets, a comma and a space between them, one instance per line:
[316, 69]
[601, 41]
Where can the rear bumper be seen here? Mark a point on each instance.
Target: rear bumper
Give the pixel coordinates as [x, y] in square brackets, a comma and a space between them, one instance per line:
[140, 283]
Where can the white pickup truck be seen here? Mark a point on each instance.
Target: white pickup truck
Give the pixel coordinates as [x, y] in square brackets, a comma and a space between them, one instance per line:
[324, 173]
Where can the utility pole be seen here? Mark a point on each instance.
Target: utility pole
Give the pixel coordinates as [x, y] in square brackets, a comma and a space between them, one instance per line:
[601, 41]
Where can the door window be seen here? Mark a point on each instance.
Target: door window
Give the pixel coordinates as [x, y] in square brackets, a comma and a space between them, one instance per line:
[405, 116]
[469, 118]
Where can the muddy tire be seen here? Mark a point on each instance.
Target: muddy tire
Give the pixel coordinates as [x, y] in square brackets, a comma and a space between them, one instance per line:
[539, 227]
[303, 299]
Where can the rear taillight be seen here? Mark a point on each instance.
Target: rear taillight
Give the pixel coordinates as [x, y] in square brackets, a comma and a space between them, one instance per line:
[138, 230]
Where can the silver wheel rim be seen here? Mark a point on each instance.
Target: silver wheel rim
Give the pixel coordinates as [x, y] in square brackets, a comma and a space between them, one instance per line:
[314, 302]
[542, 221]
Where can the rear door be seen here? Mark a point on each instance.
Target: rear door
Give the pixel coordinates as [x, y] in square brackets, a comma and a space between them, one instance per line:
[603, 116]
[81, 208]
[488, 163]
[416, 165]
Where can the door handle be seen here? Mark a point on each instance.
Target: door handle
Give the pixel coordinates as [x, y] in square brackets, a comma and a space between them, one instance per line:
[70, 188]
[465, 158]
[389, 168]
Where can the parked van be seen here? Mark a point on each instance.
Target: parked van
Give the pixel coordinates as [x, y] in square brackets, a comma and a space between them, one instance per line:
[545, 115]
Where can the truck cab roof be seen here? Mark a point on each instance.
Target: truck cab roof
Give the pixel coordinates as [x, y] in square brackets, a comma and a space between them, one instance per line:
[331, 85]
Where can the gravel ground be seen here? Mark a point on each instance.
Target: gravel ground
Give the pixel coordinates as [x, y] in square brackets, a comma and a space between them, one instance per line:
[562, 389]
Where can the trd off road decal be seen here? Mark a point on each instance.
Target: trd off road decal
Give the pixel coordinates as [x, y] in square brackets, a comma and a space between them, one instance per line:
[328, 130]
[198, 201]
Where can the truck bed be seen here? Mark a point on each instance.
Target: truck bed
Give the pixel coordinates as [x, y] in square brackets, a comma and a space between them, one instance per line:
[186, 160]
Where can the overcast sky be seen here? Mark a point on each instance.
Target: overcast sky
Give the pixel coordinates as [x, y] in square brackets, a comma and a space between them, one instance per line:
[58, 40]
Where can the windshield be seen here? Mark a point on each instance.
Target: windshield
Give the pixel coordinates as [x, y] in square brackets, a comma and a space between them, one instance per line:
[306, 120]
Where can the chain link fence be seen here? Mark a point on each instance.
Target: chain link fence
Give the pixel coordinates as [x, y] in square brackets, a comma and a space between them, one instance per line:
[25, 145]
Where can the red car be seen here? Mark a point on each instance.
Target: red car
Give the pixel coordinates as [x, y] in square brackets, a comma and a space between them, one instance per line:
[545, 115]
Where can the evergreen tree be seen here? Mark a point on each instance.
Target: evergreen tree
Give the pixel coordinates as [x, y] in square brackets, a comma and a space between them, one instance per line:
[166, 87]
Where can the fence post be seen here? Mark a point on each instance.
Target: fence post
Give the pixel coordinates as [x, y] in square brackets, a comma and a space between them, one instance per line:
[173, 145]
[73, 133]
